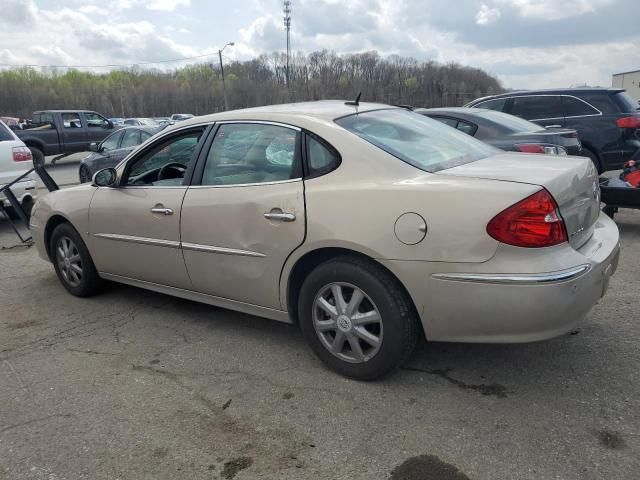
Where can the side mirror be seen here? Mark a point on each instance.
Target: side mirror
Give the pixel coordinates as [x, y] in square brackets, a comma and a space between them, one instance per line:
[109, 124]
[93, 147]
[107, 177]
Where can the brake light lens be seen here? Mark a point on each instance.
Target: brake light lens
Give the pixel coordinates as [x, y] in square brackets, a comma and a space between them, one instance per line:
[533, 222]
[628, 122]
[22, 154]
[543, 148]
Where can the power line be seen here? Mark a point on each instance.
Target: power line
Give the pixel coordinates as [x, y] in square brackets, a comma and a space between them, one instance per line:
[109, 65]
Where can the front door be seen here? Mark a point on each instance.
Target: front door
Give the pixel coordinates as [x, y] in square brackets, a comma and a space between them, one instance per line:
[135, 227]
[247, 215]
[97, 127]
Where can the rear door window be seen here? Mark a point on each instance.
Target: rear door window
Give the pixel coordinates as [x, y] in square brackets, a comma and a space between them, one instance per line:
[498, 104]
[252, 153]
[574, 107]
[131, 138]
[71, 120]
[467, 127]
[5, 134]
[537, 107]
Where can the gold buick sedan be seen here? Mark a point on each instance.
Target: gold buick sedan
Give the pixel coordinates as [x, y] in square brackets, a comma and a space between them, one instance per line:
[367, 225]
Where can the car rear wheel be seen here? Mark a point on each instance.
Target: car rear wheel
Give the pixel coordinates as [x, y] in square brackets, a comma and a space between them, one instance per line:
[85, 174]
[357, 318]
[72, 262]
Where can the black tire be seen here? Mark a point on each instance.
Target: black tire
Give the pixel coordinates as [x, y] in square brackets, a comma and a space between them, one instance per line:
[84, 173]
[399, 322]
[89, 282]
[594, 158]
[38, 156]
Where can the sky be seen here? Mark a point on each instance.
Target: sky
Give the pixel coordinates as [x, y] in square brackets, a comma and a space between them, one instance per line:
[525, 43]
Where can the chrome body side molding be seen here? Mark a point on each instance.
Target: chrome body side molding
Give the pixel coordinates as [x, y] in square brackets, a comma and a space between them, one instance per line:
[515, 279]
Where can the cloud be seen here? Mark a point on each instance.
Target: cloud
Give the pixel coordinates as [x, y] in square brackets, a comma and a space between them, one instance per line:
[487, 15]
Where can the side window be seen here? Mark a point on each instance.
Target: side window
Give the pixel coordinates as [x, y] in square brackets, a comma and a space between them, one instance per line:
[130, 138]
[252, 153]
[166, 163]
[495, 104]
[96, 121]
[144, 136]
[112, 141]
[71, 120]
[602, 101]
[447, 121]
[537, 107]
[574, 107]
[467, 127]
[321, 158]
[5, 134]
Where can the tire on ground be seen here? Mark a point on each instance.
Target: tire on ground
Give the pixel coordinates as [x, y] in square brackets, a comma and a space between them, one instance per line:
[90, 283]
[400, 323]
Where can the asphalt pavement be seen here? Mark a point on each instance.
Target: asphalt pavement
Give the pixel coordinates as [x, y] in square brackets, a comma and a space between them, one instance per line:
[136, 385]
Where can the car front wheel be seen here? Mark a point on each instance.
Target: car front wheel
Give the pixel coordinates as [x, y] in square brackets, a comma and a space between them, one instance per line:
[72, 262]
[357, 318]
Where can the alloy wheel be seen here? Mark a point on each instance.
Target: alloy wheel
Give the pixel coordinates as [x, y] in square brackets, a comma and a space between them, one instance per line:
[69, 261]
[347, 322]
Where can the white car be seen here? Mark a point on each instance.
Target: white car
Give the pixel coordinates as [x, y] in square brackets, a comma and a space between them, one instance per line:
[16, 160]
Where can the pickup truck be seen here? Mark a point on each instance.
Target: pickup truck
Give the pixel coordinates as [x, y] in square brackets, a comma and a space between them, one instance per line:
[62, 132]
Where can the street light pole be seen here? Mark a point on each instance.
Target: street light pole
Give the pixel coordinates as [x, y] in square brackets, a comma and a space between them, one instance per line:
[224, 86]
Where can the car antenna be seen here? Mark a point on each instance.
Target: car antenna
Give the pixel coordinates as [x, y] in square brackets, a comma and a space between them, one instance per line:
[355, 102]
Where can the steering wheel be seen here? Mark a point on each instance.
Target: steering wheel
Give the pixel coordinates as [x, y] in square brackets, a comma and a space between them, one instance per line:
[175, 166]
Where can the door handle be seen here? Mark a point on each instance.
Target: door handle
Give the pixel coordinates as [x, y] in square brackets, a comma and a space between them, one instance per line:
[162, 210]
[553, 126]
[280, 216]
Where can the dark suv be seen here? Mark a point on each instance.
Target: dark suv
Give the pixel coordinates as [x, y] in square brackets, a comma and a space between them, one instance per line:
[606, 119]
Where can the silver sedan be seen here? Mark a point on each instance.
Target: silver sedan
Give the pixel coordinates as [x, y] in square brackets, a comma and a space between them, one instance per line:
[367, 225]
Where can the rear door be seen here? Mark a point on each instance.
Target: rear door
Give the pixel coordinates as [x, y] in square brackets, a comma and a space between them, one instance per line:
[545, 110]
[72, 133]
[247, 214]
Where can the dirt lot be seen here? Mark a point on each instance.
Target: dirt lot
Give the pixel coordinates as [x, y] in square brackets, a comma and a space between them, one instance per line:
[136, 385]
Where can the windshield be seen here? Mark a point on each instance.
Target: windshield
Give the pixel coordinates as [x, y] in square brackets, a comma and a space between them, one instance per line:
[514, 124]
[420, 141]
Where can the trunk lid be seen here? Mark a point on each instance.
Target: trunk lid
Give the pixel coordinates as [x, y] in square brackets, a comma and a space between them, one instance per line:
[572, 181]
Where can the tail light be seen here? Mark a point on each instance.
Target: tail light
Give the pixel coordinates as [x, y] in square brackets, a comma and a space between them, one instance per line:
[22, 154]
[628, 122]
[544, 148]
[533, 222]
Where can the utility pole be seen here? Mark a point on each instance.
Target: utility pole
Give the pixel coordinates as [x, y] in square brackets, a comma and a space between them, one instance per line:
[287, 26]
[224, 86]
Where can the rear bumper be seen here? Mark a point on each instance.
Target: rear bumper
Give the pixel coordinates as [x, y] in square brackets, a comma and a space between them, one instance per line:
[502, 307]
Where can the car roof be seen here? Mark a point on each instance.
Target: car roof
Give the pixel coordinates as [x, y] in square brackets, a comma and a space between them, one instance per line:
[65, 111]
[553, 91]
[323, 110]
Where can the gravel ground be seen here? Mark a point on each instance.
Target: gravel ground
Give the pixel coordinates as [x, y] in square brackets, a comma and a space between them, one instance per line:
[135, 385]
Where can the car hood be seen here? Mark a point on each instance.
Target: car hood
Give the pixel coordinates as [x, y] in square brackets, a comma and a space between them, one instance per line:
[573, 182]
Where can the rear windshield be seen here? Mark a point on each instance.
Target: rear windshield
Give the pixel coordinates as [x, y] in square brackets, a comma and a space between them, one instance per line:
[510, 122]
[625, 102]
[5, 133]
[418, 140]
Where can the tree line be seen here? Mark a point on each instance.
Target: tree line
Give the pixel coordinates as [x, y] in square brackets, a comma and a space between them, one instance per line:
[198, 88]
